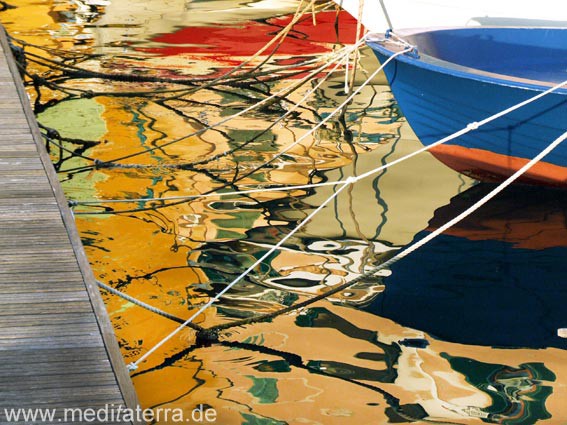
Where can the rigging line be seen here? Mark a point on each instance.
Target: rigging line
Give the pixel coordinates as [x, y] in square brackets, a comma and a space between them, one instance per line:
[65, 54]
[347, 182]
[55, 135]
[405, 252]
[335, 56]
[321, 123]
[283, 33]
[310, 8]
[43, 61]
[134, 365]
[288, 112]
[349, 83]
[386, 14]
[73, 153]
[297, 361]
[180, 92]
[346, 85]
[470, 127]
[39, 81]
[402, 254]
[295, 106]
[206, 195]
[85, 73]
[350, 180]
[148, 307]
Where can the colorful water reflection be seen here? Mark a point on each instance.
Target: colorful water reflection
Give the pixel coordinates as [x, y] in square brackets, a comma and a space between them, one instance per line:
[461, 332]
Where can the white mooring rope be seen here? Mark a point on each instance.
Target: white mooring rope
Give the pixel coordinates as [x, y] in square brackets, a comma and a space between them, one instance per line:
[351, 180]
[478, 204]
[287, 148]
[347, 182]
[468, 128]
[134, 365]
[396, 258]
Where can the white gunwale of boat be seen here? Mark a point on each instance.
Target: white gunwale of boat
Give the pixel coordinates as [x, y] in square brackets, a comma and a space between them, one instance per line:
[443, 66]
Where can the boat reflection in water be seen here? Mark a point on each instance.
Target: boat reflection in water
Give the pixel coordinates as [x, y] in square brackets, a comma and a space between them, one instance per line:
[497, 278]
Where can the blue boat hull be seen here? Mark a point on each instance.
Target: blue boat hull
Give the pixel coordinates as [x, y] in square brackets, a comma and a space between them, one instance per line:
[439, 98]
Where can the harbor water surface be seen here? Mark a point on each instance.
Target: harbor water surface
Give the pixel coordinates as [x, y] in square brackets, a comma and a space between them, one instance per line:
[465, 330]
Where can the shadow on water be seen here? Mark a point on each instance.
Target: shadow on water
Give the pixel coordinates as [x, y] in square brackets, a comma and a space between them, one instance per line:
[497, 278]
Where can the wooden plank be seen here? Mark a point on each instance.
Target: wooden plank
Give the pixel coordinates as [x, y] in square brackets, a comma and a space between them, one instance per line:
[41, 228]
[7, 244]
[43, 214]
[62, 380]
[22, 151]
[7, 203]
[49, 297]
[54, 395]
[42, 287]
[18, 140]
[21, 173]
[74, 356]
[70, 341]
[36, 175]
[13, 131]
[17, 121]
[47, 277]
[22, 164]
[38, 328]
[9, 103]
[34, 320]
[46, 308]
[36, 267]
[38, 255]
[12, 235]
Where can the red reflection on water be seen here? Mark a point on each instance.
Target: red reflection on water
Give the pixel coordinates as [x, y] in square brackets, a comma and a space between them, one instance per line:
[227, 41]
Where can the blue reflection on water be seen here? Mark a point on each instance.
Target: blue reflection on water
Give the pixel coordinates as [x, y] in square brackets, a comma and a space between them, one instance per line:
[493, 281]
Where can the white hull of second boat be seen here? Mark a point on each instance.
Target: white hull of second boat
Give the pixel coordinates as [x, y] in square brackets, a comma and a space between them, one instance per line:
[456, 13]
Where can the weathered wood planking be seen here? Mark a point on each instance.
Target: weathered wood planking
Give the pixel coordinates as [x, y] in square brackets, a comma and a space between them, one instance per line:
[57, 346]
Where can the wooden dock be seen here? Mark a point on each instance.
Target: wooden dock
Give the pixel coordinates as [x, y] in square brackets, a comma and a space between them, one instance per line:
[57, 346]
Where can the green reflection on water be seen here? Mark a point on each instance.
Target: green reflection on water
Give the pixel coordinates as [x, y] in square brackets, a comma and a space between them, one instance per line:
[264, 389]
[518, 394]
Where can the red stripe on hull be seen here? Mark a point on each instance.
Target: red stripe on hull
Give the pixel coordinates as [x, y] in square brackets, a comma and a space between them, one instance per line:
[492, 167]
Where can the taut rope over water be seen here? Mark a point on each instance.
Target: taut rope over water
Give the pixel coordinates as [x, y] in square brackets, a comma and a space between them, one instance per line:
[246, 191]
[351, 180]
